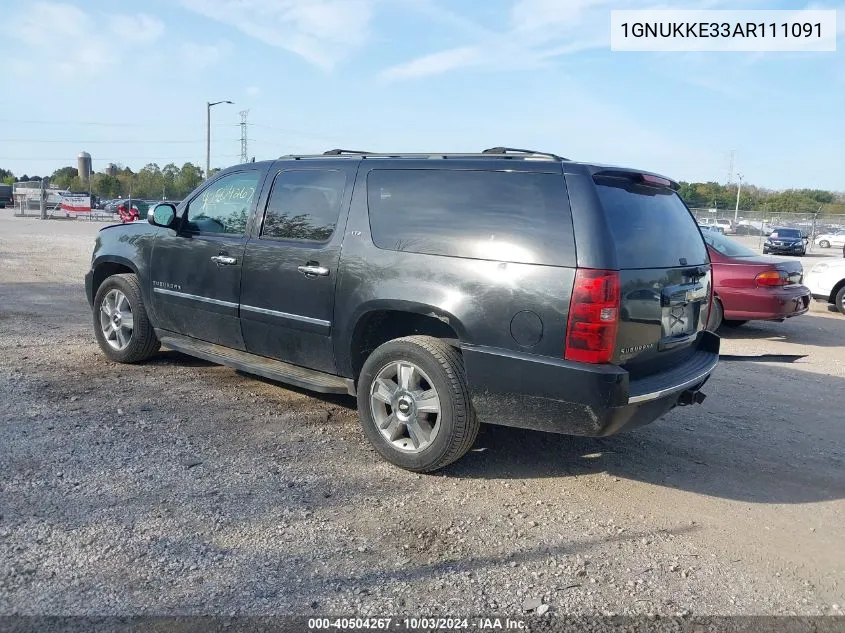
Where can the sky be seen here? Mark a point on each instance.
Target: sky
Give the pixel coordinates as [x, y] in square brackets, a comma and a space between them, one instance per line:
[128, 82]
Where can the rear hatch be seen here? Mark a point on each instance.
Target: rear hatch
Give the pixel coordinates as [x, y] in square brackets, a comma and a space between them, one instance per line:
[664, 271]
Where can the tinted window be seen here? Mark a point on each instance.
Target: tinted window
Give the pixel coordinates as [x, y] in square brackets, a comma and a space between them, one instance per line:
[304, 205]
[497, 215]
[224, 207]
[727, 246]
[651, 227]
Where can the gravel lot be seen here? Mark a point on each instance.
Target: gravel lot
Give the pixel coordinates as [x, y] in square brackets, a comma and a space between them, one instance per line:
[179, 487]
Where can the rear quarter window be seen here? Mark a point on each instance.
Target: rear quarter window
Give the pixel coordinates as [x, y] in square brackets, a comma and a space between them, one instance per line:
[651, 227]
[520, 217]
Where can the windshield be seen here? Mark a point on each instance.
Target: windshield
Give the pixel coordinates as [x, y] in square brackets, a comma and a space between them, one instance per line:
[726, 246]
[786, 233]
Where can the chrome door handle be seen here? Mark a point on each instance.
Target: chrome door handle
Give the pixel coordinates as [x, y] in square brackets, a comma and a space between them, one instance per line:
[313, 271]
[224, 260]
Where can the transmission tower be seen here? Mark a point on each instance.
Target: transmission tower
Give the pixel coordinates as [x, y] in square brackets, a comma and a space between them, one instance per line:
[244, 152]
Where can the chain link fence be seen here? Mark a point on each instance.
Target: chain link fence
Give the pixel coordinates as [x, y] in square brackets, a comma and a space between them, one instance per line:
[27, 203]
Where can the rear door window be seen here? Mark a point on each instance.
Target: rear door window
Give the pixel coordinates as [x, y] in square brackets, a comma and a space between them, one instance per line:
[652, 227]
[509, 216]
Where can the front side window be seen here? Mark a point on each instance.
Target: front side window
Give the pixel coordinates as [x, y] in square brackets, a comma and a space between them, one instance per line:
[224, 207]
[304, 205]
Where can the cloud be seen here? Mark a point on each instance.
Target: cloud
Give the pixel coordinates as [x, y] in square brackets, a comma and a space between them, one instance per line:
[323, 32]
[60, 40]
[137, 29]
[537, 32]
[198, 57]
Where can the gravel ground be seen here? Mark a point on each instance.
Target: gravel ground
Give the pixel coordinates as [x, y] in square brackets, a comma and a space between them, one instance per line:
[180, 487]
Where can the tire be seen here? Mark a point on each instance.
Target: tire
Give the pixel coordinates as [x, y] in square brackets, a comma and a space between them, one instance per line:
[717, 316]
[135, 343]
[824, 244]
[733, 322]
[438, 366]
[840, 300]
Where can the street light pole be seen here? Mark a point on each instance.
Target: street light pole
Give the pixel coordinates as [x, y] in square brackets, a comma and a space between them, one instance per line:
[208, 134]
[738, 189]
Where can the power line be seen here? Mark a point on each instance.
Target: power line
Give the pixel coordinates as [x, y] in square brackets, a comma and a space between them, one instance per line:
[77, 141]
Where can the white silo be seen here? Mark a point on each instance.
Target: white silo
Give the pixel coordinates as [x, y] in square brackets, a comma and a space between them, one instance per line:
[83, 165]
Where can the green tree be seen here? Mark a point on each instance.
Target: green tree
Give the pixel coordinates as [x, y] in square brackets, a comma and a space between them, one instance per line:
[106, 186]
[150, 181]
[63, 177]
[190, 176]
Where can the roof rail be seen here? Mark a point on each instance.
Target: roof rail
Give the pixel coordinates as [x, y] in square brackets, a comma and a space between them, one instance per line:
[514, 150]
[341, 152]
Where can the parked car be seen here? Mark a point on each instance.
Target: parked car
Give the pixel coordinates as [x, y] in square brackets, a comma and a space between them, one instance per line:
[714, 228]
[726, 226]
[786, 241]
[749, 286]
[6, 197]
[826, 281]
[826, 240]
[445, 291]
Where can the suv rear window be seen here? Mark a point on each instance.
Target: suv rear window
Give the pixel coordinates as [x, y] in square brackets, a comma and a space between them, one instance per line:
[652, 227]
[510, 216]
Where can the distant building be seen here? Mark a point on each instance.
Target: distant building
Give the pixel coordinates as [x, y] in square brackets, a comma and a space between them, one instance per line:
[83, 165]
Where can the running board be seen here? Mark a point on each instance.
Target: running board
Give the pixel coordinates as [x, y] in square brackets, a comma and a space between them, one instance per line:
[259, 365]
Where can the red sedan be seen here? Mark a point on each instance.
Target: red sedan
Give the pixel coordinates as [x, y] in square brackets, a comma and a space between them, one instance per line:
[749, 286]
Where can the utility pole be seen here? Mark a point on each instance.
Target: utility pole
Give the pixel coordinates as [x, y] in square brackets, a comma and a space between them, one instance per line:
[731, 168]
[43, 198]
[738, 189]
[209, 104]
[243, 114]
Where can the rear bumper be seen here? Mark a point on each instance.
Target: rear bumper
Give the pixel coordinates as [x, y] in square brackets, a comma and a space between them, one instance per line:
[766, 304]
[547, 394]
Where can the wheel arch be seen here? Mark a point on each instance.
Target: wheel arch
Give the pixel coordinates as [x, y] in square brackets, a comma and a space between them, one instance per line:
[382, 321]
[108, 265]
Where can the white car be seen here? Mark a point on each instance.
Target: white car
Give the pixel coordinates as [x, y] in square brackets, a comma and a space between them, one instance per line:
[837, 238]
[726, 225]
[826, 281]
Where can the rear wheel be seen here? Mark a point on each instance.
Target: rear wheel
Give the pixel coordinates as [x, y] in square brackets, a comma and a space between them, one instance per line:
[824, 244]
[121, 324]
[717, 315]
[414, 404]
[840, 300]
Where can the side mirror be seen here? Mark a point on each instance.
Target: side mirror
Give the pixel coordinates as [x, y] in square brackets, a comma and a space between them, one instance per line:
[162, 215]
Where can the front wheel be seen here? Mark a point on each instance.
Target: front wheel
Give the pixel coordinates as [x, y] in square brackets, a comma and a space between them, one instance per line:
[824, 244]
[414, 404]
[121, 325]
[840, 300]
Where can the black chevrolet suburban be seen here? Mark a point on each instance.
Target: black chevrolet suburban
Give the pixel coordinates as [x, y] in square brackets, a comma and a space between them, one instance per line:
[442, 290]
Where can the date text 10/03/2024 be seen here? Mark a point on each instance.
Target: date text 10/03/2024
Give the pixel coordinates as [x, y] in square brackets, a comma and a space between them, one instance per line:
[413, 624]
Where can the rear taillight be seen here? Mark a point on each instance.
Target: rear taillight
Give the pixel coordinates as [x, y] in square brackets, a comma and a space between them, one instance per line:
[772, 278]
[593, 316]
